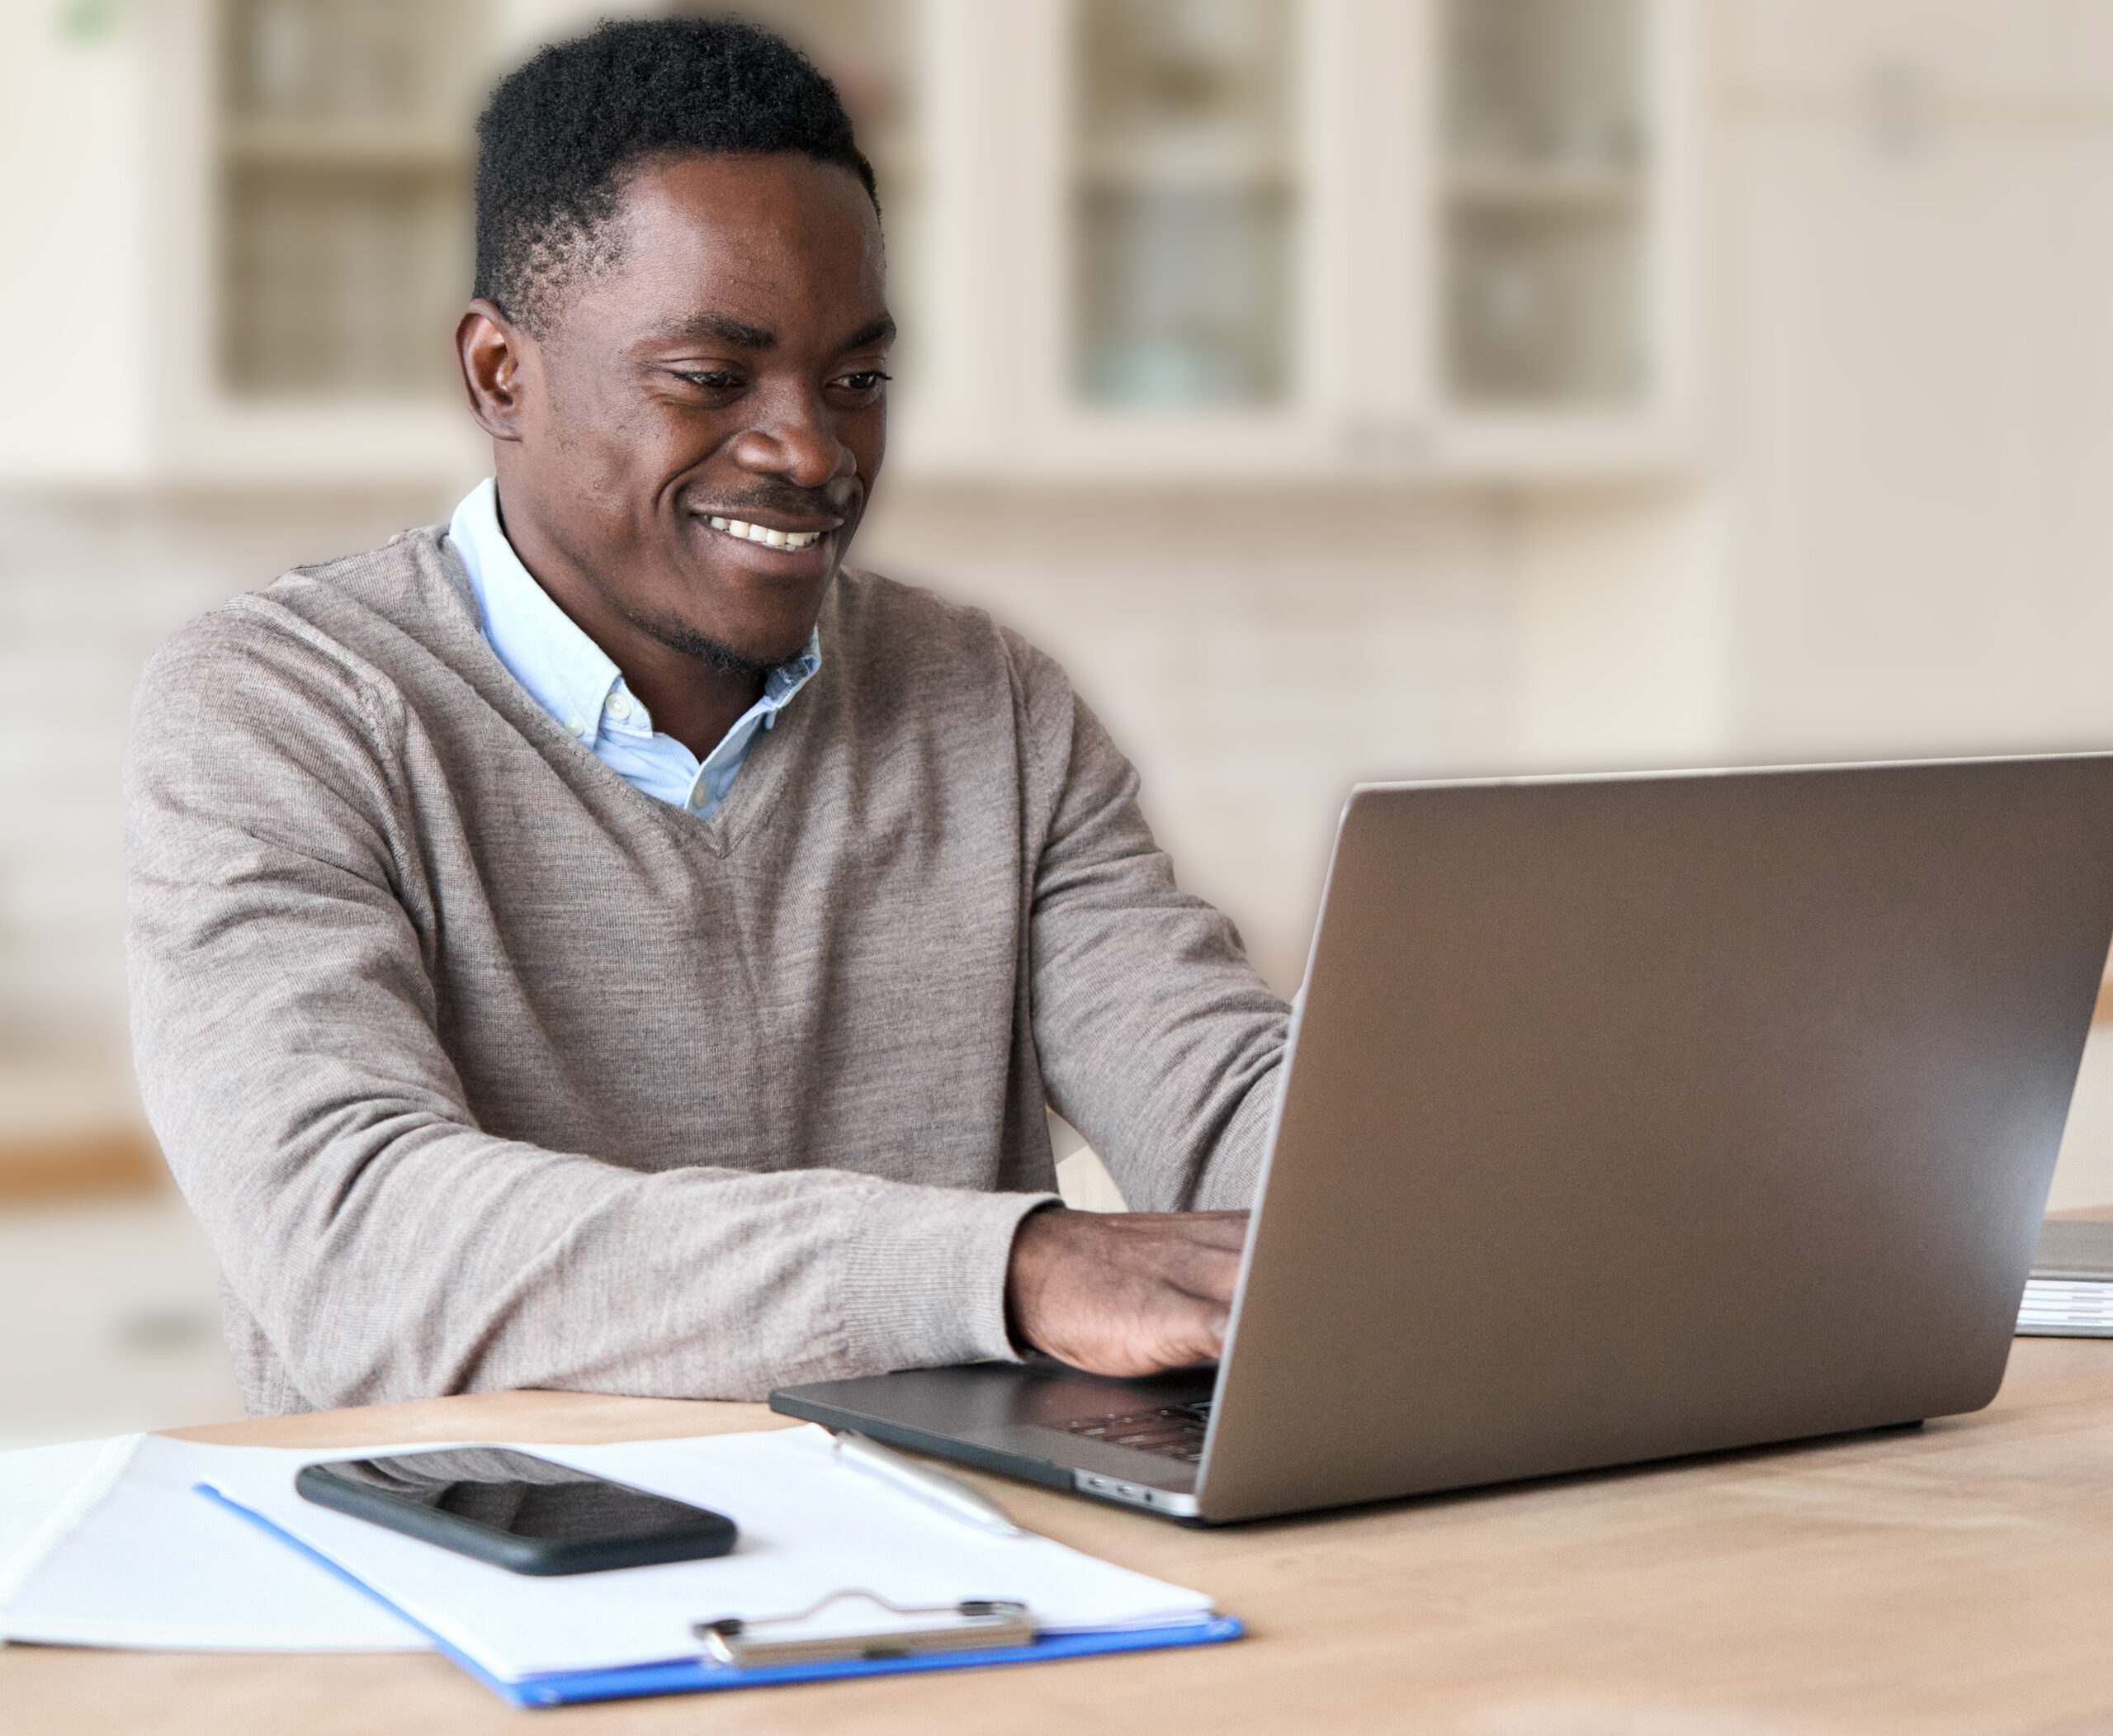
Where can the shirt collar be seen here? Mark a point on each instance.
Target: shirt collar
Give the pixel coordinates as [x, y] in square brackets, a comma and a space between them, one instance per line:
[543, 649]
[788, 678]
[564, 671]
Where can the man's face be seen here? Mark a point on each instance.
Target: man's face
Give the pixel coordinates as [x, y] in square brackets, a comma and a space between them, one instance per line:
[726, 372]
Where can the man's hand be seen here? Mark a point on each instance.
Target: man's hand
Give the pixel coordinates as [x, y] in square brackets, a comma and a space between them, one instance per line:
[1124, 1292]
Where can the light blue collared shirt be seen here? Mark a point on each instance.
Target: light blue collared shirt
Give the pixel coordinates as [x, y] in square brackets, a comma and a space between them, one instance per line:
[569, 675]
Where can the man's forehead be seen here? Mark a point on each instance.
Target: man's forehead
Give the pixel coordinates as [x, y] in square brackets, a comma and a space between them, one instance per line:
[726, 247]
[780, 196]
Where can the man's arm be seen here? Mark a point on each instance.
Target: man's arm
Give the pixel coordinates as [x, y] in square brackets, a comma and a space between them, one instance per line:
[286, 1028]
[1157, 1039]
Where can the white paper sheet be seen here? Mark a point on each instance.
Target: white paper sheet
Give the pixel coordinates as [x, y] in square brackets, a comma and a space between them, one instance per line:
[152, 1562]
[45, 1492]
[810, 1526]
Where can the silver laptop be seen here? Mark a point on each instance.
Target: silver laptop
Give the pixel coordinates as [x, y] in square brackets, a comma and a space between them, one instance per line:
[1624, 1118]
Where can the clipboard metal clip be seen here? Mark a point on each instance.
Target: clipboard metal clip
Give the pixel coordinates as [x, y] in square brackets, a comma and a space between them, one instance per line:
[972, 1624]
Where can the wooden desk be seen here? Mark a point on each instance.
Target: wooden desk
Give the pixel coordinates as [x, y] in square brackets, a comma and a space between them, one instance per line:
[1958, 1579]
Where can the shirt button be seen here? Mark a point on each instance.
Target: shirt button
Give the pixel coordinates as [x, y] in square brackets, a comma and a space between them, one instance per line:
[575, 726]
[619, 704]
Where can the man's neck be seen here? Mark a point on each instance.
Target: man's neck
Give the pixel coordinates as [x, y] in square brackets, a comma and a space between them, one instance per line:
[687, 698]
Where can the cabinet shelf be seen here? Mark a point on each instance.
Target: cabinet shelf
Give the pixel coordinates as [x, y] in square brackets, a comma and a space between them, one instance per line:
[1504, 188]
[1189, 161]
[352, 145]
[1201, 178]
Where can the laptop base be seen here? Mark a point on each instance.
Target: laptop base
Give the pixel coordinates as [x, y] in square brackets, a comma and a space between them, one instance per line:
[1016, 1419]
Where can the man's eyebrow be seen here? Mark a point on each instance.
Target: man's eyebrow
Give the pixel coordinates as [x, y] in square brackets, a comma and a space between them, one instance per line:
[727, 330]
[724, 327]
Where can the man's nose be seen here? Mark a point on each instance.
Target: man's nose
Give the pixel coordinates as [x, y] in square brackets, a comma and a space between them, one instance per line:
[795, 437]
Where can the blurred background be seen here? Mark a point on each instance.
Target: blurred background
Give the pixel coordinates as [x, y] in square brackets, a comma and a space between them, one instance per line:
[1340, 389]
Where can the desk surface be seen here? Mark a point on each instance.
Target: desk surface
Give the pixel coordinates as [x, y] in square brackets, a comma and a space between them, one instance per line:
[1956, 1579]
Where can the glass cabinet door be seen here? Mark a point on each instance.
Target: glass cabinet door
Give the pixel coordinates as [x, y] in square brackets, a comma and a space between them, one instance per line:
[1184, 203]
[345, 163]
[1544, 204]
[1126, 238]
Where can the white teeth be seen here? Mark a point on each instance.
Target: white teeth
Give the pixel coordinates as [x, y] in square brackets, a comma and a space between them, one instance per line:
[764, 535]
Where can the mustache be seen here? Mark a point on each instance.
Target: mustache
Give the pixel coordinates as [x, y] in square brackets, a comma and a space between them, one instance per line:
[832, 500]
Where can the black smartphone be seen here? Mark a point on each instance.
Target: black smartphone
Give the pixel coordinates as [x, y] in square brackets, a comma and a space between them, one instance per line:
[517, 1511]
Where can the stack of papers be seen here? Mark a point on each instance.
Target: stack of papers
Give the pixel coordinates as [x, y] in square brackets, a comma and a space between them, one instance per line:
[2070, 1293]
[2055, 1307]
[108, 1543]
[151, 1542]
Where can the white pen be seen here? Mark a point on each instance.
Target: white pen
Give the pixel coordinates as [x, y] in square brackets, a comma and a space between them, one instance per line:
[935, 1488]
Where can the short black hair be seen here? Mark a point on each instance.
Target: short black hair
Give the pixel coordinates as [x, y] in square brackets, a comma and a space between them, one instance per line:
[563, 134]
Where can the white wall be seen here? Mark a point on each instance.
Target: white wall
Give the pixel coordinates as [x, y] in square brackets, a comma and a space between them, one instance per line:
[89, 584]
[76, 313]
[1917, 223]
[1619, 631]
[1899, 536]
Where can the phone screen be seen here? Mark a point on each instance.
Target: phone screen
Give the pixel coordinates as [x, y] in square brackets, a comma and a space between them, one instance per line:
[519, 1494]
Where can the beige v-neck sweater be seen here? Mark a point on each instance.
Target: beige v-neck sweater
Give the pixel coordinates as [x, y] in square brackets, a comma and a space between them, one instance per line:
[483, 1069]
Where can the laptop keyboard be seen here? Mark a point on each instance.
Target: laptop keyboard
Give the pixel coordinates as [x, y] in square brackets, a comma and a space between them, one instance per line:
[1175, 1431]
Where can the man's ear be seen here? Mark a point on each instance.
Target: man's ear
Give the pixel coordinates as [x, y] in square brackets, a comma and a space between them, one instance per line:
[490, 350]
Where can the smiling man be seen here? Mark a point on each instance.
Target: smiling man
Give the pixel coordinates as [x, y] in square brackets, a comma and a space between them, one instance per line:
[612, 943]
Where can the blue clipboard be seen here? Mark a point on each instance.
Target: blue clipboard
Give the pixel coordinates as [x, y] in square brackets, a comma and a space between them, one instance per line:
[700, 1676]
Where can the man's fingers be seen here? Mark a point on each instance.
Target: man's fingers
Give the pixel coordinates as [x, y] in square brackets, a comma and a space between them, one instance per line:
[1125, 1293]
[1197, 1335]
[1210, 1274]
[1183, 1332]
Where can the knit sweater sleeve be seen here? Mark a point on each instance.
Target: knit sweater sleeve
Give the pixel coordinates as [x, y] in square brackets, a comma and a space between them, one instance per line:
[1158, 1040]
[286, 1031]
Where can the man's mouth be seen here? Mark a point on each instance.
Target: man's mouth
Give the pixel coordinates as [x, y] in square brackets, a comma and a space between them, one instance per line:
[765, 535]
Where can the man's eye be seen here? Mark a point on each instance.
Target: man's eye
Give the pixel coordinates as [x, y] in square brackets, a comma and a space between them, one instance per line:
[866, 380]
[717, 380]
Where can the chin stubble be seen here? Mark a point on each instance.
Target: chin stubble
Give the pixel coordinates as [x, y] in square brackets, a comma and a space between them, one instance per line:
[720, 659]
